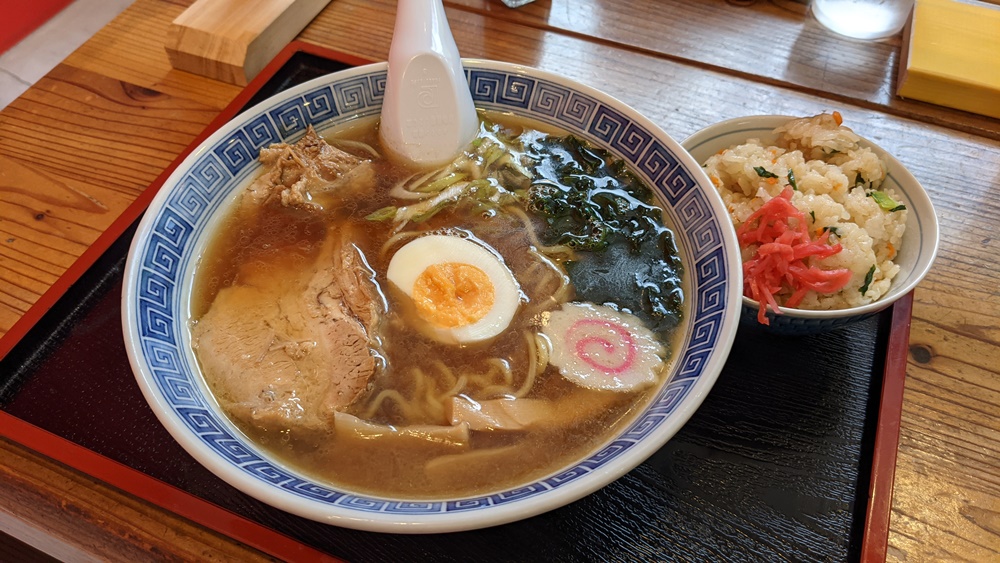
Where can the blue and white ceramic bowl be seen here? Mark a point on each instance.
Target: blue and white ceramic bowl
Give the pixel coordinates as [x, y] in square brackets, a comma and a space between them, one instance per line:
[918, 249]
[173, 234]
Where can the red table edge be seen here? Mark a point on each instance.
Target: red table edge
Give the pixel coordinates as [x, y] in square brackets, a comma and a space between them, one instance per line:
[163, 495]
[110, 471]
[875, 542]
[22, 20]
[876, 531]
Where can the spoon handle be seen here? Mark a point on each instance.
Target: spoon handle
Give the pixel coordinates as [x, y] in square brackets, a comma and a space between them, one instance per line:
[428, 115]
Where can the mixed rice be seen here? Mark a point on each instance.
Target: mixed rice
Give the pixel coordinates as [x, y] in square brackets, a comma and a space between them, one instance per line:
[836, 185]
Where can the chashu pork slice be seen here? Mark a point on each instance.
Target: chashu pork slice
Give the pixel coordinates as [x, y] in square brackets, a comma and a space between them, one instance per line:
[285, 352]
[306, 173]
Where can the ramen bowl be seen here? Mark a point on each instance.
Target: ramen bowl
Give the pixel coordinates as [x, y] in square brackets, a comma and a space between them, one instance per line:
[916, 254]
[174, 232]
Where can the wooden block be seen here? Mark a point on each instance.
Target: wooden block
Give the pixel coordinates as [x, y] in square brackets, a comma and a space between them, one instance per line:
[232, 40]
[951, 56]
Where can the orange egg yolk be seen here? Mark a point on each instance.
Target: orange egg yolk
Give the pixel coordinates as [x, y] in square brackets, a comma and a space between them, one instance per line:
[453, 294]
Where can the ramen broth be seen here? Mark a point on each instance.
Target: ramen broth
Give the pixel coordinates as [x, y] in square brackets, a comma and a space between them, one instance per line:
[404, 441]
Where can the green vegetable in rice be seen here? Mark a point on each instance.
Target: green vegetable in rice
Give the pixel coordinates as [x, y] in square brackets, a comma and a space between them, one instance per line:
[763, 172]
[868, 279]
[885, 202]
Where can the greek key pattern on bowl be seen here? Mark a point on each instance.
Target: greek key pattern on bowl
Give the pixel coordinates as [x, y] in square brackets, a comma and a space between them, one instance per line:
[221, 169]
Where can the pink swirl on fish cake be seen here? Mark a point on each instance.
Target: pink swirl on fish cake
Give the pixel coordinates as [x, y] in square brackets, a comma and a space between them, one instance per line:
[584, 344]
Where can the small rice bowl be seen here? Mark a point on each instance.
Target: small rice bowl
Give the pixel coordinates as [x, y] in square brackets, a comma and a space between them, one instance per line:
[833, 179]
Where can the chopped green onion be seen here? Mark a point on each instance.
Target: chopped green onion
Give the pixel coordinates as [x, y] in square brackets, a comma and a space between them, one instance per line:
[868, 279]
[383, 214]
[813, 215]
[482, 189]
[492, 154]
[441, 183]
[832, 229]
[430, 212]
[792, 182]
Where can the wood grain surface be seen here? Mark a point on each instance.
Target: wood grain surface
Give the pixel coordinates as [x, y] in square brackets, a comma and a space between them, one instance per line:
[73, 517]
[88, 138]
[232, 40]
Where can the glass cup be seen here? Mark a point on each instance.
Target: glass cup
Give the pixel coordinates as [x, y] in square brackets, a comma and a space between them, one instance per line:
[863, 19]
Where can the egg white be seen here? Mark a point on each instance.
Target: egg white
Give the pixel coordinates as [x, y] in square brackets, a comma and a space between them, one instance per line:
[416, 256]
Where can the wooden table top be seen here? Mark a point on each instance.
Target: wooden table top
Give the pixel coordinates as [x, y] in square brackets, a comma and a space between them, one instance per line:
[79, 146]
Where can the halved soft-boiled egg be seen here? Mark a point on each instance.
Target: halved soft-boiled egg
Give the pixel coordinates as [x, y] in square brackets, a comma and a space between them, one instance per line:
[460, 288]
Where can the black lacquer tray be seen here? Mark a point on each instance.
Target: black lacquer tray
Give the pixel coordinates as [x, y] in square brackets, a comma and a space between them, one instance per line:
[777, 464]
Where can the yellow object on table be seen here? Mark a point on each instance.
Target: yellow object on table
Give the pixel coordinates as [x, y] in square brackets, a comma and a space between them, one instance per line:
[951, 56]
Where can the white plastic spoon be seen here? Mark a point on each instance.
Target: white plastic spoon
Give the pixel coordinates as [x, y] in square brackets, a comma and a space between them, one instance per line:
[428, 116]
